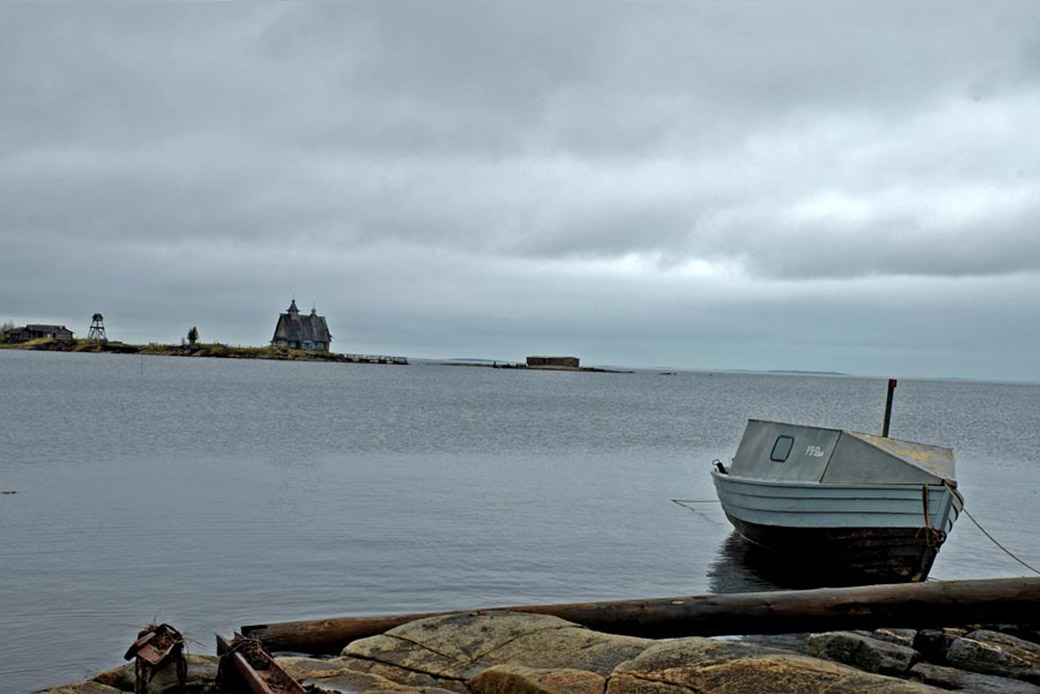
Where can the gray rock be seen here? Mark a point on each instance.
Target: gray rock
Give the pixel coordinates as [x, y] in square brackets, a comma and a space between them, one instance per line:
[1026, 650]
[970, 682]
[990, 659]
[572, 647]
[863, 652]
[202, 676]
[901, 637]
[353, 683]
[301, 667]
[1022, 631]
[797, 643]
[401, 675]
[731, 667]
[459, 646]
[335, 675]
[516, 679]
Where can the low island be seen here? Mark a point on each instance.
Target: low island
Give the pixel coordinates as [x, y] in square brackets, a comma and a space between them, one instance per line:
[200, 349]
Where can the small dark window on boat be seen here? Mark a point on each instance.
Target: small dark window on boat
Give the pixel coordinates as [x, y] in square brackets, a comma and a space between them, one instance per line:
[781, 449]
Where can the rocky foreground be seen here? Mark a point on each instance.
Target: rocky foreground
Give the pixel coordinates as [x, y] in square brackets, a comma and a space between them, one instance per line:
[510, 652]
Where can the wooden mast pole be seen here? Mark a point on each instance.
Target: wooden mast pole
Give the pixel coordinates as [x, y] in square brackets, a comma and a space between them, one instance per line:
[888, 406]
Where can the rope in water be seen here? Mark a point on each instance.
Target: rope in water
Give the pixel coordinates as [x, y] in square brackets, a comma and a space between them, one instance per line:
[994, 541]
[688, 503]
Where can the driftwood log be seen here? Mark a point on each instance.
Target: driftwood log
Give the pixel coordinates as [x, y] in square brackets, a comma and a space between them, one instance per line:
[912, 605]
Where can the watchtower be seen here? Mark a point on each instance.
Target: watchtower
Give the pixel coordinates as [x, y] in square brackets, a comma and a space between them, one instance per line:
[97, 329]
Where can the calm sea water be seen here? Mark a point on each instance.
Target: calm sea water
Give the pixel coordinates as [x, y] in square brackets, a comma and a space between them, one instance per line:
[214, 493]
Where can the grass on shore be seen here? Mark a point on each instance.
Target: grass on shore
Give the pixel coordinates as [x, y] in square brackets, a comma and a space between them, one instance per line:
[199, 349]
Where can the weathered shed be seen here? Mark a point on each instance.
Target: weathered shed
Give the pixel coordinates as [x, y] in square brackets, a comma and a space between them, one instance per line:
[310, 332]
[36, 331]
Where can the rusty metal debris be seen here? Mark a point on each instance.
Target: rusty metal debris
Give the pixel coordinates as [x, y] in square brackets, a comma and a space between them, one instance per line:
[156, 647]
[246, 667]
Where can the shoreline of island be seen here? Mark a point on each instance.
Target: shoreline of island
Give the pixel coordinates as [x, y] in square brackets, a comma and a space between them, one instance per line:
[220, 350]
[201, 349]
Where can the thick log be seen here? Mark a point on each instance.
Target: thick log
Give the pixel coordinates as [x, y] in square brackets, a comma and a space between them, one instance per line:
[913, 605]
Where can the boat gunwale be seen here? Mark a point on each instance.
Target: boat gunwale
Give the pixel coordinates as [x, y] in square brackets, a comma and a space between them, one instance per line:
[948, 484]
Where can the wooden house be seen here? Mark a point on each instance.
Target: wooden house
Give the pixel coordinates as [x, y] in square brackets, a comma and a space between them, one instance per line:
[36, 331]
[294, 331]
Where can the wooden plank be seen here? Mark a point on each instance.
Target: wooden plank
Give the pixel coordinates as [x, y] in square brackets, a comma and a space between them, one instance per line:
[916, 605]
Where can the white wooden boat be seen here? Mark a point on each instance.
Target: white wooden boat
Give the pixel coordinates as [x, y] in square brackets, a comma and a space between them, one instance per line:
[841, 502]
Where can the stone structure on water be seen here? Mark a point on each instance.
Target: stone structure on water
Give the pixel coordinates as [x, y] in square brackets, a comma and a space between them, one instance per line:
[544, 362]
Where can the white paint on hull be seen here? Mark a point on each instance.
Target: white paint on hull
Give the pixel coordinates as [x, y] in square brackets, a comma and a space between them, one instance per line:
[815, 505]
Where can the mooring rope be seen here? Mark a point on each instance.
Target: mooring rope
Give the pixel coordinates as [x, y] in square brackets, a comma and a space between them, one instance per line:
[686, 502]
[994, 541]
[932, 537]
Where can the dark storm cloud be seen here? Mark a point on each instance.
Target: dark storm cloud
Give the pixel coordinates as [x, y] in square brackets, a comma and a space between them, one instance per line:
[544, 169]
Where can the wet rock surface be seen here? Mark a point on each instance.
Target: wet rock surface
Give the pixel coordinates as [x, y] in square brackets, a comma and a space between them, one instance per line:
[502, 652]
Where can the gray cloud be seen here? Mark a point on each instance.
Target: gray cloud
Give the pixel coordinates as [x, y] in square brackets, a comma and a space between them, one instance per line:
[482, 172]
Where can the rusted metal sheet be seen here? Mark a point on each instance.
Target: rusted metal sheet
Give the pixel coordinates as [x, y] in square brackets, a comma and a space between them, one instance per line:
[246, 667]
[156, 648]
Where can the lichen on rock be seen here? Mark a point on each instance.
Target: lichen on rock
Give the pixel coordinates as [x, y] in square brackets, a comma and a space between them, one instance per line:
[460, 646]
[727, 667]
[517, 679]
[202, 673]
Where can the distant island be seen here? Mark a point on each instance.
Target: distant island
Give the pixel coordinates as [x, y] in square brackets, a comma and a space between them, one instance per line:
[200, 349]
[296, 338]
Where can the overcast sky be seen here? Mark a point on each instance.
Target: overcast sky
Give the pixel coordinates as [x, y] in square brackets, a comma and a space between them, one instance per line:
[814, 186]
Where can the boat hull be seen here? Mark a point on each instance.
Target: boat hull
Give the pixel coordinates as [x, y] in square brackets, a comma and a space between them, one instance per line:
[881, 533]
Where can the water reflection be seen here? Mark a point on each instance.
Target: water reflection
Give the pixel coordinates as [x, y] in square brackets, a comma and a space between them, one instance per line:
[742, 567]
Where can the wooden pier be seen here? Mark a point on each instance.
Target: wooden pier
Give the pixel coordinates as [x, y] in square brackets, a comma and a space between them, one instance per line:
[374, 359]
